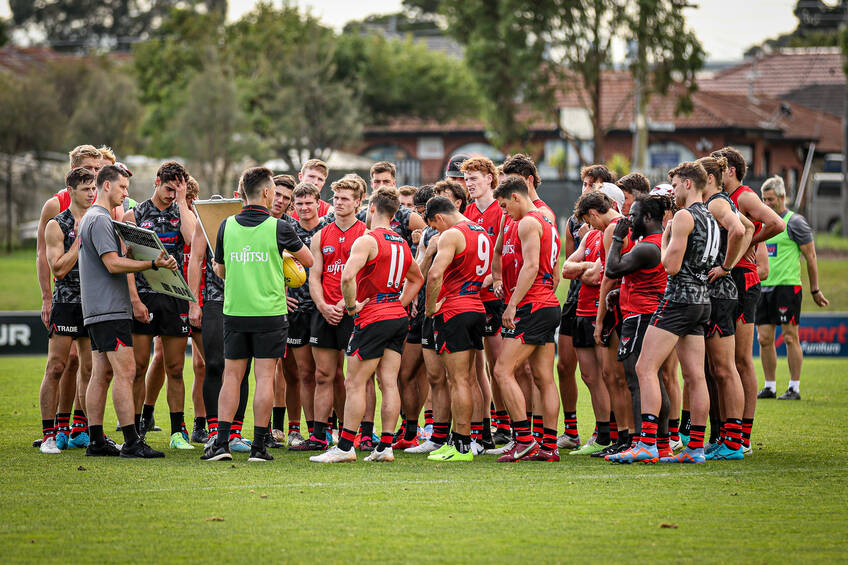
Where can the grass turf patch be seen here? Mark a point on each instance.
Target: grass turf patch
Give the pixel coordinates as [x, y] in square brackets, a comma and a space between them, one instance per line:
[786, 503]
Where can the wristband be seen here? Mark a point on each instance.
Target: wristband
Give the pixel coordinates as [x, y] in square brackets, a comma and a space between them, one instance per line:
[349, 309]
[153, 265]
[725, 269]
[618, 239]
[815, 291]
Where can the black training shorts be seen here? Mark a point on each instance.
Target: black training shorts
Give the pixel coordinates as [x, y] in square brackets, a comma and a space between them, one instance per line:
[749, 295]
[680, 318]
[583, 331]
[428, 340]
[66, 319]
[323, 334]
[782, 305]
[633, 330]
[534, 328]
[461, 333]
[494, 316]
[416, 327]
[109, 335]
[569, 316]
[372, 340]
[722, 320]
[300, 328]
[170, 316]
[270, 344]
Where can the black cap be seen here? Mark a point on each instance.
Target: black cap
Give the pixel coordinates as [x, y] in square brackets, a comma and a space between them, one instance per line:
[456, 161]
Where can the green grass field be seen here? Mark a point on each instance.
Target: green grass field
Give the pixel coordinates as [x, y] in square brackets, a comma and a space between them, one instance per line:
[786, 503]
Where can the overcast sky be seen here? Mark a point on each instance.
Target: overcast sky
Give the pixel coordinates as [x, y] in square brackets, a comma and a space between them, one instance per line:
[725, 27]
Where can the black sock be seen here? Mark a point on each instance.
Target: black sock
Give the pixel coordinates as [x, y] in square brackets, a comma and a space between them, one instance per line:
[346, 439]
[603, 432]
[200, 422]
[319, 431]
[279, 415]
[137, 423]
[411, 430]
[331, 424]
[223, 437]
[461, 442]
[715, 428]
[259, 434]
[685, 422]
[623, 437]
[147, 411]
[487, 429]
[130, 434]
[366, 429]
[96, 435]
[176, 422]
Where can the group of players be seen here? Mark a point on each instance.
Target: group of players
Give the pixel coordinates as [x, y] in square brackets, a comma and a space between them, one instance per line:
[445, 293]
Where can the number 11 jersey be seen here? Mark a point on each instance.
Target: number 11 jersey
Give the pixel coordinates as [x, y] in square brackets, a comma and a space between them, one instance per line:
[690, 284]
[381, 279]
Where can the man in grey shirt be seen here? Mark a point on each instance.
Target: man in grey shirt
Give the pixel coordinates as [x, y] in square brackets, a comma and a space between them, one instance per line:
[107, 315]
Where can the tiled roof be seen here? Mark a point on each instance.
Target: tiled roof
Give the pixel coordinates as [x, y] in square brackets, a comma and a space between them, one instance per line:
[780, 72]
[20, 60]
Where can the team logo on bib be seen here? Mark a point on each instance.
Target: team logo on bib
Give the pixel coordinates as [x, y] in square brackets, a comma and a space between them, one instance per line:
[327, 249]
[175, 222]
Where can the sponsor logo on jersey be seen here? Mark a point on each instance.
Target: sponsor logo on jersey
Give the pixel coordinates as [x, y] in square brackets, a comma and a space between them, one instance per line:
[509, 248]
[327, 249]
[146, 224]
[248, 256]
[336, 267]
[393, 237]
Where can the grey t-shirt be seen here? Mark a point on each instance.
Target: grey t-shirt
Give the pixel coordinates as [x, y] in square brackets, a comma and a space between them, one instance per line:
[105, 296]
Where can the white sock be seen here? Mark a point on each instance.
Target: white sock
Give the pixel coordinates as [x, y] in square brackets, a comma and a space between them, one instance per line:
[795, 385]
[771, 385]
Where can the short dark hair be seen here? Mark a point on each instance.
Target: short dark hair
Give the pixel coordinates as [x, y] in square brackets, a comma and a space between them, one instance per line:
[171, 170]
[457, 192]
[438, 205]
[384, 167]
[598, 172]
[253, 180]
[78, 176]
[306, 189]
[424, 194]
[111, 173]
[734, 159]
[693, 171]
[285, 180]
[408, 190]
[510, 186]
[385, 201]
[654, 206]
[523, 166]
[634, 183]
[592, 200]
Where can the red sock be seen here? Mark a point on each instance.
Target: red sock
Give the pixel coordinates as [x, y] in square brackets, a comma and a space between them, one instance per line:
[613, 428]
[674, 430]
[570, 420]
[440, 432]
[538, 426]
[294, 426]
[63, 423]
[428, 417]
[502, 420]
[733, 438]
[747, 426]
[649, 429]
[696, 436]
[235, 429]
[522, 432]
[549, 439]
[213, 425]
[476, 430]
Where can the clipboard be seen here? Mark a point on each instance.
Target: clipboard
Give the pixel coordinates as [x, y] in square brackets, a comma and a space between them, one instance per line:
[210, 214]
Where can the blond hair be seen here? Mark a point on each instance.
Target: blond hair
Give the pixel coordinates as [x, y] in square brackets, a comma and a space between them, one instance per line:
[80, 152]
[107, 153]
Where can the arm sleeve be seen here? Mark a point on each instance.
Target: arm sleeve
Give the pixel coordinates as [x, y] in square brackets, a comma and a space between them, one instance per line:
[103, 236]
[287, 239]
[799, 230]
[219, 244]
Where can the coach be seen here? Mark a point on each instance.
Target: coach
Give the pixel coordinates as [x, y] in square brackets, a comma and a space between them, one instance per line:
[248, 256]
[780, 302]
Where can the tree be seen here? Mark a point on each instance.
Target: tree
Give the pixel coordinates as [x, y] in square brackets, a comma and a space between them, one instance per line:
[404, 78]
[284, 66]
[29, 123]
[818, 26]
[210, 128]
[83, 25]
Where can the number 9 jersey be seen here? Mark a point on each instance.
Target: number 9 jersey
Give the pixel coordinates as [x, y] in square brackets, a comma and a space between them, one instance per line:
[381, 279]
[464, 275]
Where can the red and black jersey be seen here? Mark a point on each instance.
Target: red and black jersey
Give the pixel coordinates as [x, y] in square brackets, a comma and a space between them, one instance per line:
[381, 279]
[335, 250]
[186, 259]
[587, 298]
[490, 220]
[464, 276]
[541, 293]
[743, 262]
[642, 290]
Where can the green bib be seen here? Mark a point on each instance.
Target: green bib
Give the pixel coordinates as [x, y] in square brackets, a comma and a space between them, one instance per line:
[254, 285]
[784, 259]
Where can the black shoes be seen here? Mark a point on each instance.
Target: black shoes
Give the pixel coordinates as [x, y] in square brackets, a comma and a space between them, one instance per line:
[790, 394]
[271, 442]
[766, 393]
[216, 453]
[501, 437]
[257, 455]
[140, 450]
[108, 449]
[199, 435]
